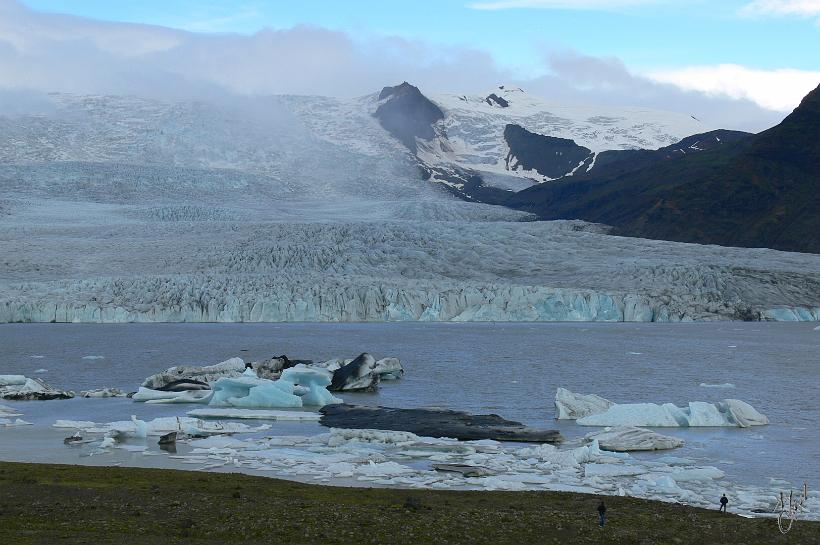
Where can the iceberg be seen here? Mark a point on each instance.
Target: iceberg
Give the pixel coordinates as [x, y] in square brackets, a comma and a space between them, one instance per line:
[20, 388]
[231, 368]
[358, 375]
[572, 406]
[9, 423]
[315, 380]
[627, 438]
[159, 426]
[103, 392]
[148, 395]
[252, 392]
[730, 412]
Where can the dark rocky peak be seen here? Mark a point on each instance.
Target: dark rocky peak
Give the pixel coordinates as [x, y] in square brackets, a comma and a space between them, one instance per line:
[407, 114]
[401, 90]
[496, 100]
[549, 156]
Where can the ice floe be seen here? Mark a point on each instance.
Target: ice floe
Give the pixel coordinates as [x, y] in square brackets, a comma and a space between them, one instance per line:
[159, 426]
[254, 414]
[21, 388]
[730, 412]
[403, 459]
[602, 412]
[627, 438]
[9, 423]
[103, 392]
[571, 406]
[722, 385]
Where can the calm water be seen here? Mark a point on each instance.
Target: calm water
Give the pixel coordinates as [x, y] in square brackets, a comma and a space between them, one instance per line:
[508, 369]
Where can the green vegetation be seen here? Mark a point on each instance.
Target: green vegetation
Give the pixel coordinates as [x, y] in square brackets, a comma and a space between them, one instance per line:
[74, 504]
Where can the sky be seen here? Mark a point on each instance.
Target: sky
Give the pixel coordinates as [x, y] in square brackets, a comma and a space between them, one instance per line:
[742, 63]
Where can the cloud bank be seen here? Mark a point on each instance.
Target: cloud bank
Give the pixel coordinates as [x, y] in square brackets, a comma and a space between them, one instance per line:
[49, 52]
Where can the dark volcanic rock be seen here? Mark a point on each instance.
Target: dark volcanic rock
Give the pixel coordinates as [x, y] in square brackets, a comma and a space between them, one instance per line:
[434, 423]
[407, 114]
[494, 99]
[549, 156]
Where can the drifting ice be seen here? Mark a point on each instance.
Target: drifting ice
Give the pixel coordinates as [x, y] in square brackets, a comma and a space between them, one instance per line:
[729, 412]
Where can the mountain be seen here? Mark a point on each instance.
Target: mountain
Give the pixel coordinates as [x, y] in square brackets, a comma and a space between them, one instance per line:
[308, 208]
[484, 147]
[757, 191]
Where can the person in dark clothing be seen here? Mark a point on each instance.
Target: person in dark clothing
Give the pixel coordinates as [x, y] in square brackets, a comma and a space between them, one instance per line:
[601, 514]
[723, 502]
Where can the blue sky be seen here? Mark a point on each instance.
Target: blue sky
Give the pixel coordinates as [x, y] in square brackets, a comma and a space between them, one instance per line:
[737, 63]
[646, 35]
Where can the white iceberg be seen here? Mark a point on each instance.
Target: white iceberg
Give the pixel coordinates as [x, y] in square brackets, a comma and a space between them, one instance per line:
[299, 386]
[21, 388]
[9, 423]
[728, 413]
[12, 380]
[571, 406]
[251, 392]
[315, 381]
[722, 385]
[627, 438]
[148, 395]
[159, 426]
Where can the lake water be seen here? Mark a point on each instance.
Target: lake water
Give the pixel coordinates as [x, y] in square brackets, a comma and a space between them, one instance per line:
[509, 369]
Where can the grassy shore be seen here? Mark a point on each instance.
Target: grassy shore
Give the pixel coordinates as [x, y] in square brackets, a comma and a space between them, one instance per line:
[73, 504]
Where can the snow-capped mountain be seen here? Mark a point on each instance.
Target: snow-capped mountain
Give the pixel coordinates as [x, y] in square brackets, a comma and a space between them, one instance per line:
[476, 145]
[312, 208]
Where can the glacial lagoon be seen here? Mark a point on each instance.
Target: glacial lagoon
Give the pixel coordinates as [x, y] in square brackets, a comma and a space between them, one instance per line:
[510, 369]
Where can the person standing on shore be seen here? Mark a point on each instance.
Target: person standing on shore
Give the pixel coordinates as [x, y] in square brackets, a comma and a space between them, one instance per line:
[723, 502]
[601, 514]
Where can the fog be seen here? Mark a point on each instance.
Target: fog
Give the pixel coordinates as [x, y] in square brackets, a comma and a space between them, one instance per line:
[43, 52]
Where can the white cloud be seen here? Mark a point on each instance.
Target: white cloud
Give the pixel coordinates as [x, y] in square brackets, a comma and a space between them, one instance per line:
[805, 8]
[47, 52]
[558, 4]
[779, 90]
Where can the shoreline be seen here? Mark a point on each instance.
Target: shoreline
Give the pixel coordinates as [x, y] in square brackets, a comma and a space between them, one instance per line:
[40, 503]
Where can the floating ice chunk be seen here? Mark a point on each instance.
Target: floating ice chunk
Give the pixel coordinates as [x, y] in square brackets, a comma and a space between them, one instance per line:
[9, 423]
[571, 406]
[191, 396]
[12, 380]
[634, 414]
[93, 357]
[744, 414]
[8, 412]
[251, 392]
[254, 414]
[613, 470]
[697, 474]
[107, 442]
[41, 371]
[20, 388]
[103, 392]
[723, 385]
[627, 438]
[140, 427]
[730, 412]
[37, 357]
[389, 369]
[315, 380]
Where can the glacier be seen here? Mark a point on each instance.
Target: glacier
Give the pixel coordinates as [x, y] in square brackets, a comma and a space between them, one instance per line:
[121, 209]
